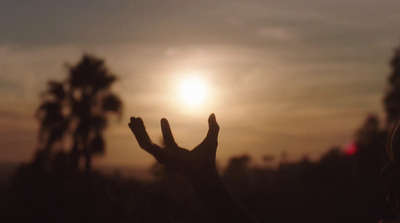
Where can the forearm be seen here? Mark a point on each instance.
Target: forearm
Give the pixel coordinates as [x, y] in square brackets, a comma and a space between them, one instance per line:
[224, 206]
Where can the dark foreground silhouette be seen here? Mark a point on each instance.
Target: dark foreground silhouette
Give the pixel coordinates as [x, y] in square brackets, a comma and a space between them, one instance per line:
[337, 188]
[197, 166]
[391, 172]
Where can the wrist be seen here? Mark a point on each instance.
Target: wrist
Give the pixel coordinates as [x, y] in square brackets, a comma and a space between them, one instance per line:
[211, 186]
[209, 180]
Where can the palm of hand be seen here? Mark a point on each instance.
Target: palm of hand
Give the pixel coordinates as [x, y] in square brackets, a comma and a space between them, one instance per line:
[196, 165]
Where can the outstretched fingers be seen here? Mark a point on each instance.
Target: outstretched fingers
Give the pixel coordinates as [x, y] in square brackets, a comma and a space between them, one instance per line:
[138, 129]
[209, 145]
[213, 130]
[167, 135]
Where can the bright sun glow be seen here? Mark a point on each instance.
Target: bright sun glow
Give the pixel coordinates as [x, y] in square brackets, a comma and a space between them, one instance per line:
[193, 91]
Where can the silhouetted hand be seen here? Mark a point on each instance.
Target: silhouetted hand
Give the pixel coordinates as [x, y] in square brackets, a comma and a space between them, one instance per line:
[198, 165]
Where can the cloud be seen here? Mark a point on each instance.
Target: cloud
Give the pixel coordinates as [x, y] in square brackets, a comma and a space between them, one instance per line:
[276, 33]
[184, 23]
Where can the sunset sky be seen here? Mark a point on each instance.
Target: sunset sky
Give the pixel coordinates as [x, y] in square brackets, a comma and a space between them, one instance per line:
[282, 76]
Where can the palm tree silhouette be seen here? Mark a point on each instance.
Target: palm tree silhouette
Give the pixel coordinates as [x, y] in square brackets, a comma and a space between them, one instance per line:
[53, 123]
[91, 100]
[79, 107]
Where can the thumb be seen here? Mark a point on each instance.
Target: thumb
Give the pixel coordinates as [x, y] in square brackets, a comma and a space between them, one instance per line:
[213, 129]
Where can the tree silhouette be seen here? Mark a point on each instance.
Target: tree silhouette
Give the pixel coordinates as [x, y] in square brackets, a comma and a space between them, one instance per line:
[79, 107]
[53, 123]
[392, 97]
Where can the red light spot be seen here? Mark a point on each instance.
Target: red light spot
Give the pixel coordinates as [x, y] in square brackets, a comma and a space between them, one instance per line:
[351, 149]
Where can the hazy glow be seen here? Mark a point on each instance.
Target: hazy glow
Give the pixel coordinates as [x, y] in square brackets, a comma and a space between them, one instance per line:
[193, 91]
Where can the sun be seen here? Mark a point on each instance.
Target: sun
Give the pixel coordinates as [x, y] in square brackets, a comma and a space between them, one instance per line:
[193, 91]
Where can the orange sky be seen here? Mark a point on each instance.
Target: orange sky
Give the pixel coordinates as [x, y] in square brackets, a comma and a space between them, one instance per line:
[285, 76]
